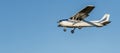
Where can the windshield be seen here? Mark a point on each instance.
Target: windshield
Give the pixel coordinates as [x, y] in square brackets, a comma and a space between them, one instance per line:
[63, 20]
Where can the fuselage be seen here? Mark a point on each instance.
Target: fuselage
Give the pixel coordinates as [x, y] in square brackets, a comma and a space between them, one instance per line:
[78, 24]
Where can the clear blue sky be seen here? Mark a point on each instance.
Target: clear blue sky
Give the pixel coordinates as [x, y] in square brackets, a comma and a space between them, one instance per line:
[30, 26]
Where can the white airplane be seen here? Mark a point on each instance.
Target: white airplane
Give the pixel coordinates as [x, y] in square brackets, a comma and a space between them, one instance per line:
[78, 20]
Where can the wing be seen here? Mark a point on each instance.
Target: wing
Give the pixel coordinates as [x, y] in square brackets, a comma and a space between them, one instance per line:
[81, 15]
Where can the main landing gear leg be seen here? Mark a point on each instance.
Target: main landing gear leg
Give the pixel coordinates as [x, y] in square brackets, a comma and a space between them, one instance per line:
[72, 31]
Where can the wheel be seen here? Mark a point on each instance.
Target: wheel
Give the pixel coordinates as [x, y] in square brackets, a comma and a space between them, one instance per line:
[64, 30]
[72, 31]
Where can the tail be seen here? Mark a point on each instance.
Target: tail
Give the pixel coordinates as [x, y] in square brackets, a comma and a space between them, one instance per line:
[105, 19]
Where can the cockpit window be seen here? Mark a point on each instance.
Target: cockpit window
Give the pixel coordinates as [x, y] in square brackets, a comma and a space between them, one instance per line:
[63, 20]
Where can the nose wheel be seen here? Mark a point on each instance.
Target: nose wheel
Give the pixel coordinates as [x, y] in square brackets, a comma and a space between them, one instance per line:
[64, 30]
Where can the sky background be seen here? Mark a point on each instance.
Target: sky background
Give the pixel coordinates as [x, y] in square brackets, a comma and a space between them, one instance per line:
[30, 26]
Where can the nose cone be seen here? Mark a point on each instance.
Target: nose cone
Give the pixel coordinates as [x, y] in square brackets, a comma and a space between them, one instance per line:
[59, 21]
[60, 24]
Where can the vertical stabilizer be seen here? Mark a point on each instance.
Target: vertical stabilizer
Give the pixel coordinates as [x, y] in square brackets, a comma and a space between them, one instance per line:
[105, 19]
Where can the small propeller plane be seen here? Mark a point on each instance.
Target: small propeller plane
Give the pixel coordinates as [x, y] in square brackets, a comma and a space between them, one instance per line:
[78, 20]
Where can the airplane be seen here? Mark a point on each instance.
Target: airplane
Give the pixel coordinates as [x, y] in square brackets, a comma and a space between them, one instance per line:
[78, 20]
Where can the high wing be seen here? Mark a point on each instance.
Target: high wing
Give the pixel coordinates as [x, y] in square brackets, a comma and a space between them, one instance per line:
[81, 15]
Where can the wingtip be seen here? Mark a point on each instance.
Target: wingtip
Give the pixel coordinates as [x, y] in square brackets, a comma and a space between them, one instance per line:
[107, 13]
[91, 5]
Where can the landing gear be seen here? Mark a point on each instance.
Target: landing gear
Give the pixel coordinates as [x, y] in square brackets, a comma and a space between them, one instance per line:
[64, 29]
[72, 31]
